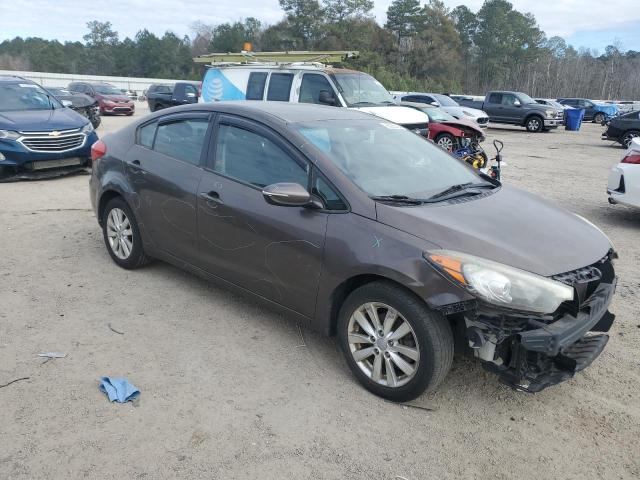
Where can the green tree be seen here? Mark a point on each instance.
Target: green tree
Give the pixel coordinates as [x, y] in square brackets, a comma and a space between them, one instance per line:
[403, 17]
[340, 10]
[305, 18]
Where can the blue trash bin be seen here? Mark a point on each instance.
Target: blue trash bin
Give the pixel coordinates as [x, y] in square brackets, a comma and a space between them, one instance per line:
[573, 119]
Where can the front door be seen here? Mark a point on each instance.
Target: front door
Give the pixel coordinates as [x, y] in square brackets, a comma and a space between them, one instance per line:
[164, 168]
[273, 251]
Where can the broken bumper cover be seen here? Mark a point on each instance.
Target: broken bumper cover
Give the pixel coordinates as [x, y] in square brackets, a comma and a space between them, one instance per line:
[554, 352]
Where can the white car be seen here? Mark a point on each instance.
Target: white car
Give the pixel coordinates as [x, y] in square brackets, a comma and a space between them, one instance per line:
[446, 103]
[624, 178]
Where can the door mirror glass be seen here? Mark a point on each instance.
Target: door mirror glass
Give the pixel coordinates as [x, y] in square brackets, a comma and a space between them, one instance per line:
[435, 104]
[66, 103]
[327, 98]
[516, 103]
[287, 194]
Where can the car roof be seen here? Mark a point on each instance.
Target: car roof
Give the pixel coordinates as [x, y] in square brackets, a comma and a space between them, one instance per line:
[285, 112]
[13, 79]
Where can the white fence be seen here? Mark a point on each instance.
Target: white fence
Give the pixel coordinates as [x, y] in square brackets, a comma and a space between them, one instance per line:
[63, 79]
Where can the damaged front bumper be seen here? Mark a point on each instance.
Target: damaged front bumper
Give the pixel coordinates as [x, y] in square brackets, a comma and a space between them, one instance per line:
[531, 353]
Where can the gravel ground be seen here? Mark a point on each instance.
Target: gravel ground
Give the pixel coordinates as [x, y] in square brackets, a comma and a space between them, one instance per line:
[233, 390]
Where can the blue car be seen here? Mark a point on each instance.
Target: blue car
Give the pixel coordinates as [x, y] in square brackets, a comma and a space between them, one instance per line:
[37, 132]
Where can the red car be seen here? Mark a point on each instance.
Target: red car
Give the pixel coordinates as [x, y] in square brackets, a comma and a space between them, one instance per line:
[110, 99]
[447, 131]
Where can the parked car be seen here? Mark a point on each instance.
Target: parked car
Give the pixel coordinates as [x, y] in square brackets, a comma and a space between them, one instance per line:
[169, 95]
[517, 108]
[446, 131]
[110, 98]
[360, 228]
[81, 103]
[446, 103]
[596, 112]
[624, 178]
[37, 132]
[552, 103]
[308, 83]
[623, 129]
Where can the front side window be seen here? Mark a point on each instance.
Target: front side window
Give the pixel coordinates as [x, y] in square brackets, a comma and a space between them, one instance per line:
[383, 158]
[361, 90]
[311, 86]
[255, 86]
[254, 159]
[182, 139]
[279, 87]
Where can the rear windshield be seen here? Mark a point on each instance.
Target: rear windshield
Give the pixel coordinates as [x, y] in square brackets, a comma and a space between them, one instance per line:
[25, 96]
[445, 101]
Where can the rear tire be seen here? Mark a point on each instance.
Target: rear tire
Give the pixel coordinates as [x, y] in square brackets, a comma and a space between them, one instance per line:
[534, 124]
[628, 136]
[598, 118]
[397, 359]
[122, 236]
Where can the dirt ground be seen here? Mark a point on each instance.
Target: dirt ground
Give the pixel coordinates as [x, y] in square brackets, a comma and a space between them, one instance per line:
[231, 390]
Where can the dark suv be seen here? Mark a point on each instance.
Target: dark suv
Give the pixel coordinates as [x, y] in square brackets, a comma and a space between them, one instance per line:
[110, 99]
[160, 95]
[360, 228]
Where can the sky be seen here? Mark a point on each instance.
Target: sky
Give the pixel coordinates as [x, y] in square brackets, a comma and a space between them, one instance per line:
[583, 23]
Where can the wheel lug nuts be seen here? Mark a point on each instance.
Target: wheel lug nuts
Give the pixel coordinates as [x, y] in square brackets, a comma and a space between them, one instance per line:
[386, 355]
[381, 332]
[390, 343]
[376, 351]
[372, 338]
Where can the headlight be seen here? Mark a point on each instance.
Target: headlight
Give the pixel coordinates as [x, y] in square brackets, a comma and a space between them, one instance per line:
[500, 284]
[468, 114]
[88, 128]
[550, 113]
[109, 102]
[9, 135]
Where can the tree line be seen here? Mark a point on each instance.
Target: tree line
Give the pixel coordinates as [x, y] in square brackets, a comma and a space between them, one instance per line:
[420, 47]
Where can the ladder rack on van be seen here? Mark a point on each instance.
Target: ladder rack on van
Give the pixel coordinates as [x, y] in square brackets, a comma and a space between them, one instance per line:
[277, 58]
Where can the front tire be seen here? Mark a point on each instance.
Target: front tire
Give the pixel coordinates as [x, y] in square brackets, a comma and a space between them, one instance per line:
[122, 236]
[395, 346]
[446, 141]
[534, 124]
[598, 118]
[628, 137]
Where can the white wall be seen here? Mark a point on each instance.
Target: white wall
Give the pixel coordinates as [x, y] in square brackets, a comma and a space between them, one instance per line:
[63, 79]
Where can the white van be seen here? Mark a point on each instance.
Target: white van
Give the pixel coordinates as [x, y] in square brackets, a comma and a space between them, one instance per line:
[307, 82]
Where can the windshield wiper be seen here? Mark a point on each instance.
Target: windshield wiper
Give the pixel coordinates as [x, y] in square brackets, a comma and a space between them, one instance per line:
[370, 104]
[459, 188]
[397, 199]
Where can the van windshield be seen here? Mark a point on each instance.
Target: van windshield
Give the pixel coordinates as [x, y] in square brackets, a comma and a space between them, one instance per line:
[25, 96]
[361, 90]
[384, 159]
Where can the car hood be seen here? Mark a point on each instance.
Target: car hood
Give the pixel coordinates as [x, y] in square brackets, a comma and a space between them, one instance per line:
[509, 226]
[397, 114]
[41, 120]
[459, 112]
[463, 124]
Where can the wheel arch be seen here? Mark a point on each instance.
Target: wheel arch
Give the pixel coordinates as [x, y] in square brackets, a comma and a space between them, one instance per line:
[106, 196]
[531, 115]
[344, 289]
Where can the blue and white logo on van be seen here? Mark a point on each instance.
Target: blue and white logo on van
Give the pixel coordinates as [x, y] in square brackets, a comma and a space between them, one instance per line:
[216, 87]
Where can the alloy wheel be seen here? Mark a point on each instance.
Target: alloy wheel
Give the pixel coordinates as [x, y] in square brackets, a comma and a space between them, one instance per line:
[383, 344]
[533, 125]
[446, 143]
[119, 233]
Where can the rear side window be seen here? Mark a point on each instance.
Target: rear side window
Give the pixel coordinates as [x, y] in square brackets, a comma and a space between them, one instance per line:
[146, 134]
[255, 87]
[254, 159]
[279, 87]
[182, 139]
[311, 86]
[495, 98]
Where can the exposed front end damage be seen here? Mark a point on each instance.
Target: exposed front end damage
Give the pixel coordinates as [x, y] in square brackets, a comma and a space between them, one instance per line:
[531, 352]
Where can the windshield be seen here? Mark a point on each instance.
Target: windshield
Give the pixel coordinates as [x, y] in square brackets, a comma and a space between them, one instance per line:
[361, 90]
[445, 101]
[25, 96]
[437, 115]
[525, 99]
[107, 90]
[383, 158]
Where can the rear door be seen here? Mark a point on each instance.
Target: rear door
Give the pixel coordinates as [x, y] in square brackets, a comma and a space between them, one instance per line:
[164, 168]
[493, 106]
[270, 250]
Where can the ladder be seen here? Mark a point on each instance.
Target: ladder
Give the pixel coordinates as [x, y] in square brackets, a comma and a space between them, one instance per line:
[246, 57]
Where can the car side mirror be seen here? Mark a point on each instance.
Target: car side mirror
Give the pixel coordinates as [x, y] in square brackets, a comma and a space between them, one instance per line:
[287, 195]
[191, 95]
[435, 104]
[517, 103]
[327, 98]
[66, 103]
